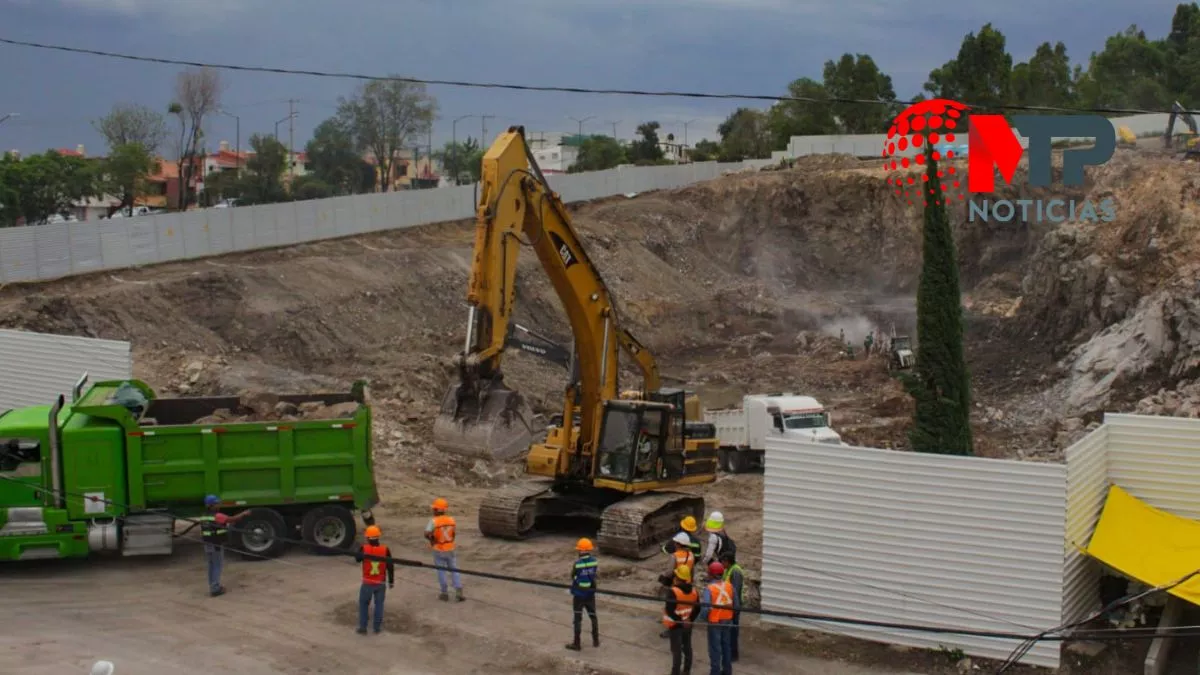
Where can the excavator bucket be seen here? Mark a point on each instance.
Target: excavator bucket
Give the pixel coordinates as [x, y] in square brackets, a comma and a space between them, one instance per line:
[496, 423]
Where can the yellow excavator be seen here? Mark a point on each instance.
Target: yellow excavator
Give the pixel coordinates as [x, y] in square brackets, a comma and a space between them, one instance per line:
[610, 457]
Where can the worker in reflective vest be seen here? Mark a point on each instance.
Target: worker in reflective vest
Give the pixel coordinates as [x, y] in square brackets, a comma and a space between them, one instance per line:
[440, 533]
[376, 562]
[681, 599]
[737, 577]
[717, 605]
[681, 556]
[214, 531]
[583, 591]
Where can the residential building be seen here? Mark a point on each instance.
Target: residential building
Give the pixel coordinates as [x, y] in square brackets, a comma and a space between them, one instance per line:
[556, 159]
[408, 173]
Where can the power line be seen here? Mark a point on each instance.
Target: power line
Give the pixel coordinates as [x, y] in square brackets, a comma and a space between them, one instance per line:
[549, 88]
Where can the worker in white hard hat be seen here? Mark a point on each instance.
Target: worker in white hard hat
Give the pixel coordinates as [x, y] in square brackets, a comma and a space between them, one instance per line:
[718, 540]
[681, 557]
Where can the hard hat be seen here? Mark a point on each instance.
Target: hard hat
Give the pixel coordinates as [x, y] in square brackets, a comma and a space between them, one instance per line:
[715, 569]
[683, 572]
[681, 539]
[103, 668]
[688, 524]
[584, 544]
[440, 504]
[373, 532]
[211, 500]
[716, 520]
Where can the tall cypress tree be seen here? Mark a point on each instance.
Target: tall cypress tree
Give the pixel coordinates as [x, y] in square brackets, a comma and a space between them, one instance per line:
[939, 383]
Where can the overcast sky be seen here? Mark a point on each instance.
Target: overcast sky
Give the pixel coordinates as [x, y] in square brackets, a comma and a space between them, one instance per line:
[737, 46]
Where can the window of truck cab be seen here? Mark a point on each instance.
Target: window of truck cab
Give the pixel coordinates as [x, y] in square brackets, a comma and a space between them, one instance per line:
[808, 420]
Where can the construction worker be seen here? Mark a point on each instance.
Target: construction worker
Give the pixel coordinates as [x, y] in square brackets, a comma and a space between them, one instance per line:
[583, 591]
[440, 533]
[689, 527]
[375, 559]
[681, 556]
[681, 599]
[736, 576]
[717, 605]
[214, 531]
[867, 342]
[718, 540]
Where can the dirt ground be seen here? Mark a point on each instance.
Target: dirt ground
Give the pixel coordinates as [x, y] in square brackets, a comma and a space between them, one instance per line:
[739, 285]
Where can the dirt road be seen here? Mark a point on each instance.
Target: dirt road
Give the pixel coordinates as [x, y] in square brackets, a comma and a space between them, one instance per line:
[296, 615]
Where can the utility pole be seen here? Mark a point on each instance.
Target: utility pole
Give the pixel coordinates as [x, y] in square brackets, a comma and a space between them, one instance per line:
[483, 124]
[581, 121]
[614, 126]
[238, 142]
[291, 138]
[454, 145]
[685, 126]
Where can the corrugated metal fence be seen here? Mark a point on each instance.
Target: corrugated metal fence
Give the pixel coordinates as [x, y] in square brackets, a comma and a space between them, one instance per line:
[1157, 460]
[35, 367]
[63, 249]
[936, 540]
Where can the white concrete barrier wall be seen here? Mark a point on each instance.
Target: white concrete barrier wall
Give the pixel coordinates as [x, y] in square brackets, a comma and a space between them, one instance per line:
[936, 540]
[1157, 460]
[35, 367]
[64, 249]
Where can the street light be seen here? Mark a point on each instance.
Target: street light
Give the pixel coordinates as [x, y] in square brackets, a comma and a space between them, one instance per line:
[6, 117]
[685, 126]
[581, 121]
[454, 144]
[238, 120]
[614, 126]
[281, 122]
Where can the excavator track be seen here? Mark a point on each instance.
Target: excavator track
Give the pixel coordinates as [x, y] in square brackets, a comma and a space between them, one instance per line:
[511, 511]
[637, 526]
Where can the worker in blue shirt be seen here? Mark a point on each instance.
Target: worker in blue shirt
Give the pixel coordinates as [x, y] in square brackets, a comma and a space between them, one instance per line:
[583, 591]
[718, 603]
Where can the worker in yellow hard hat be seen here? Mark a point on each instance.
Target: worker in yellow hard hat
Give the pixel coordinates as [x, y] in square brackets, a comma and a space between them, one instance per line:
[689, 526]
[583, 591]
[681, 600]
[441, 532]
[375, 559]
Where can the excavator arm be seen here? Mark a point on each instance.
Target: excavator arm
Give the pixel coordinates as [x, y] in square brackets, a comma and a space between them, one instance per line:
[480, 414]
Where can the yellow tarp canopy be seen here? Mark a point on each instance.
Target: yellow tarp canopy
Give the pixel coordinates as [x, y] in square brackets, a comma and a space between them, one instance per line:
[1150, 545]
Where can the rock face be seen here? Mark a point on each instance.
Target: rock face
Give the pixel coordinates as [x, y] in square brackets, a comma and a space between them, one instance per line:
[1183, 401]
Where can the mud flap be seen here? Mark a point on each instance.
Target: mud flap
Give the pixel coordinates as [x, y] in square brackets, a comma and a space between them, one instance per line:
[496, 425]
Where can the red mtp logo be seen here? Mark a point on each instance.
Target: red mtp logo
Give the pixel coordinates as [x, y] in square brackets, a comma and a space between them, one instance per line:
[934, 122]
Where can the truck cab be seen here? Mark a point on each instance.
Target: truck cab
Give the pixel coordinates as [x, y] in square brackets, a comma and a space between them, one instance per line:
[790, 416]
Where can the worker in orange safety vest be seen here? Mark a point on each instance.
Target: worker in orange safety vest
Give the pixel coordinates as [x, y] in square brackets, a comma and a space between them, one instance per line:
[681, 556]
[681, 599]
[376, 563]
[441, 532]
[718, 603]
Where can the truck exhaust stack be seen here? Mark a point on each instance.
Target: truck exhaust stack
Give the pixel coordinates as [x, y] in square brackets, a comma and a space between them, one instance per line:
[493, 422]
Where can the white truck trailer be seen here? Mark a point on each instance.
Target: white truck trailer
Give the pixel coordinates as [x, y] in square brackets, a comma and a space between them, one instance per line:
[742, 432]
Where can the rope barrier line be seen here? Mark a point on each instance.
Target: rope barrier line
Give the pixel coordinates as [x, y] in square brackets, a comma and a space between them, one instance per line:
[560, 89]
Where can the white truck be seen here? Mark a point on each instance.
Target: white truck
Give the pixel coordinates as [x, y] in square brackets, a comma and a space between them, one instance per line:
[742, 432]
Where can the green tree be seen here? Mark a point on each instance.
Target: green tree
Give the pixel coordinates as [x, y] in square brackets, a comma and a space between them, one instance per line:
[197, 97]
[939, 384]
[857, 77]
[706, 151]
[386, 117]
[1130, 72]
[308, 187]
[125, 170]
[462, 160]
[809, 117]
[1046, 79]
[41, 186]
[336, 162]
[646, 150]
[1183, 43]
[598, 153]
[262, 182]
[980, 75]
[745, 134]
[220, 185]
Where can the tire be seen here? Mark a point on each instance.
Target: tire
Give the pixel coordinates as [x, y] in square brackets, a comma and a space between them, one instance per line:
[328, 529]
[260, 536]
[737, 461]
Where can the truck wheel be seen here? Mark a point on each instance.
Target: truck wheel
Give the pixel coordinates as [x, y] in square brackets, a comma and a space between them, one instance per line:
[261, 535]
[330, 529]
[736, 463]
[723, 460]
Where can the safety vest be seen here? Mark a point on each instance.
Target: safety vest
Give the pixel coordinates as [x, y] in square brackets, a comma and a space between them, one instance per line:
[721, 597]
[683, 558]
[583, 580]
[694, 544]
[212, 532]
[443, 533]
[729, 577]
[684, 604]
[374, 571]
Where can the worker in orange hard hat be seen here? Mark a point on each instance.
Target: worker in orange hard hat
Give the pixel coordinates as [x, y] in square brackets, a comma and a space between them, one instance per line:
[440, 533]
[375, 559]
[583, 591]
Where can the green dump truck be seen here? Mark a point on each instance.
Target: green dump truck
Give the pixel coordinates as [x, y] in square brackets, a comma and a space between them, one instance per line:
[112, 470]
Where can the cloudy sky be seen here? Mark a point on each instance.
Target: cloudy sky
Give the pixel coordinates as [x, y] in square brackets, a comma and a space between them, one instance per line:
[736, 46]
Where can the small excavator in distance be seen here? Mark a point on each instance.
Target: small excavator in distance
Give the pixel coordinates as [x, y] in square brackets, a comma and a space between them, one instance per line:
[611, 458]
[1189, 141]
